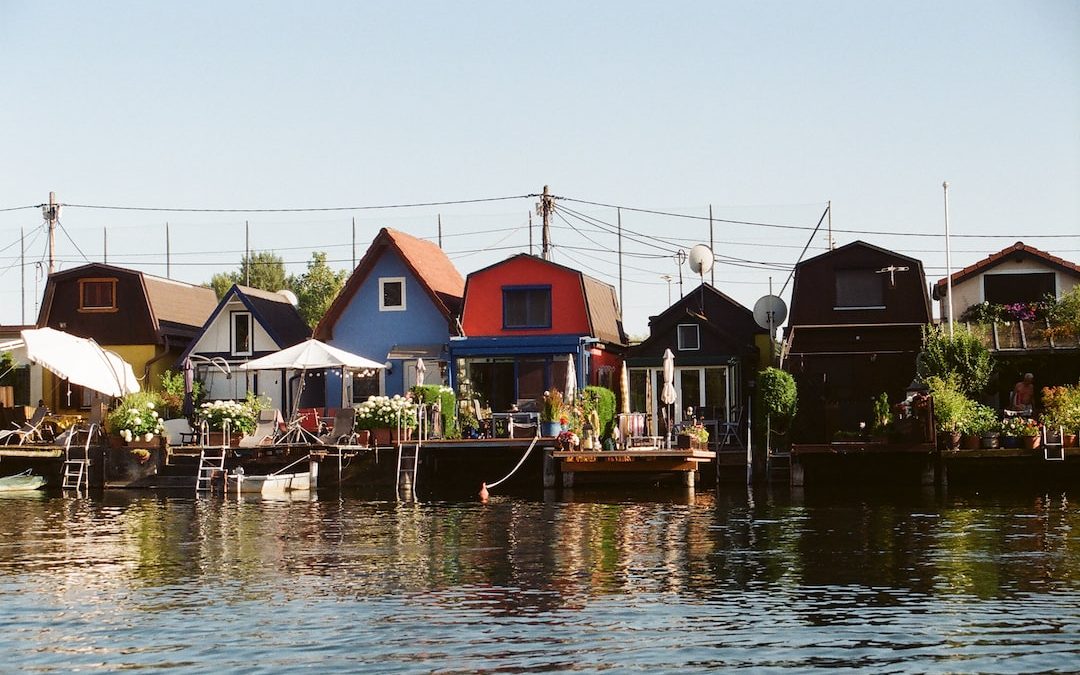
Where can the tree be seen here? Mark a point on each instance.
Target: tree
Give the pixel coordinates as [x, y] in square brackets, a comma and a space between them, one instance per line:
[316, 288]
[961, 355]
[263, 270]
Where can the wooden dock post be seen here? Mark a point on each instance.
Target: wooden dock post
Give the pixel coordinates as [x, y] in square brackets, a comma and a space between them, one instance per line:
[551, 469]
[929, 472]
[798, 475]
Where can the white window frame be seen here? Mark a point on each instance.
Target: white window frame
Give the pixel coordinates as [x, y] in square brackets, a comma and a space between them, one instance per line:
[382, 295]
[232, 334]
[679, 337]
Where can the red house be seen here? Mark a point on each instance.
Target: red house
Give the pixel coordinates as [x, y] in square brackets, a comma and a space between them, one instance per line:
[523, 319]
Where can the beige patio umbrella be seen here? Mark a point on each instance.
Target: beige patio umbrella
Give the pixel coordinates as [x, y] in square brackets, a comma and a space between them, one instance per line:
[667, 394]
[421, 371]
[624, 389]
[570, 391]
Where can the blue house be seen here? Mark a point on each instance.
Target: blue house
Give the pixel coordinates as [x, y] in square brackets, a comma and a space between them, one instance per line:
[400, 304]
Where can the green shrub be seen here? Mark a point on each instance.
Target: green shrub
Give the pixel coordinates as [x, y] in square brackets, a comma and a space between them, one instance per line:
[953, 411]
[136, 417]
[429, 393]
[602, 400]
[961, 356]
[777, 397]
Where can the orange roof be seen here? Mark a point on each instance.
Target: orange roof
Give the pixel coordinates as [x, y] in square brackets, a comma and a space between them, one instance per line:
[1001, 256]
[425, 259]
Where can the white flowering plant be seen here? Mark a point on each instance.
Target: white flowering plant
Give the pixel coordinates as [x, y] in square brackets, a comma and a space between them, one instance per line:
[385, 411]
[241, 415]
[136, 418]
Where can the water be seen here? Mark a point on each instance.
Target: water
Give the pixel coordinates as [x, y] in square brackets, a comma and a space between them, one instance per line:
[652, 581]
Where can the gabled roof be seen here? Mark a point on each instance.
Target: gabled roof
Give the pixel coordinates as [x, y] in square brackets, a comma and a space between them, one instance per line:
[179, 304]
[678, 310]
[428, 264]
[273, 311]
[859, 244]
[601, 300]
[995, 259]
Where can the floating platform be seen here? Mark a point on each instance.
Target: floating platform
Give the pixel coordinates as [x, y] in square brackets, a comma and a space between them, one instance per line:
[645, 461]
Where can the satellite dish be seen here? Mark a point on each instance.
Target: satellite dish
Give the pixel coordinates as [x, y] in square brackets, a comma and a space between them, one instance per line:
[290, 296]
[770, 311]
[701, 259]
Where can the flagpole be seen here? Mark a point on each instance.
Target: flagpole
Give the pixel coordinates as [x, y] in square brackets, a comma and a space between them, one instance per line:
[948, 259]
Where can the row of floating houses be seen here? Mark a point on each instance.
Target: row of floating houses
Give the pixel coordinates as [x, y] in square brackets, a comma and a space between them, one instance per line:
[509, 332]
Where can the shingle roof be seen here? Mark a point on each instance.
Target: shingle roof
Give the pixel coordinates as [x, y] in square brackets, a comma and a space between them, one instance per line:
[179, 303]
[278, 316]
[1001, 256]
[428, 263]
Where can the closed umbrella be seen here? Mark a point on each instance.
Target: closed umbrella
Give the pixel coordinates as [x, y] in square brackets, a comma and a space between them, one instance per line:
[421, 371]
[571, 379]
[189, 388]
[624, 389]
[667, 394]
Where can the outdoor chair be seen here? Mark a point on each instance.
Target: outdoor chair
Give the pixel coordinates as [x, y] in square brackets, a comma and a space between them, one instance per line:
[342, 432]
[179, 432]
[29, 431]
[266, 429]
[483, 422]
[729, 431]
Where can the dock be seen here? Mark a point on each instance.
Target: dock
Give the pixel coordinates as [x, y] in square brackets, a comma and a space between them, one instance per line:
[647, 461]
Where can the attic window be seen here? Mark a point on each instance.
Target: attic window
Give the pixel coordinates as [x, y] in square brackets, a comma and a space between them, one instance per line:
[97, 295]
[241, 334]
[527, 307]
[392, 294]
[689, 337]
[1006, 289]
[859, 289]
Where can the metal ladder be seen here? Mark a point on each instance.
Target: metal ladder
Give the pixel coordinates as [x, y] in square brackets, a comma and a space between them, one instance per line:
[408, 461]
[1053, 452]
[211, 460]
[76, 470]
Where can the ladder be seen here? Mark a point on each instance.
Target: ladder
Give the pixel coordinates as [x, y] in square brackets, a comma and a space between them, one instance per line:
[1053, 451]
[211, 464]
[408, 462]
[76, 470]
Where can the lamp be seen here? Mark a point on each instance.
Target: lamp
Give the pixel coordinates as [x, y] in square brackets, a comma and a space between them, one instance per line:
[389, 365]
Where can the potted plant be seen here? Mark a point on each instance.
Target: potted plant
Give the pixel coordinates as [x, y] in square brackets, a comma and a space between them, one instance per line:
[1011, 430]
[983, 423]
[696, 437]
[951, 409]
[551, 412]
[136, 418]
[237, 417]
[1062, 412]
[1029, 433]
[390, 419]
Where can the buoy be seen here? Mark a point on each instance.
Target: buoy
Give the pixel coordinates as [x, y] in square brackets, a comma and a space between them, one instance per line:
[483, 492]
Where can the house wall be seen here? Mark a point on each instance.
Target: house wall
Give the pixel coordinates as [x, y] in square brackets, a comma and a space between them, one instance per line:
[970, 291]
[129, 324]
[216, 340]
[364, 330]
[483, 313]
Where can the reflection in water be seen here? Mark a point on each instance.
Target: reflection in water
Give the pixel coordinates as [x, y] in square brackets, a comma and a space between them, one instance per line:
[665, 579]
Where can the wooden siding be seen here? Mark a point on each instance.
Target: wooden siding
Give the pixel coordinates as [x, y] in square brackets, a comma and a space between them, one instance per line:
[483, 313]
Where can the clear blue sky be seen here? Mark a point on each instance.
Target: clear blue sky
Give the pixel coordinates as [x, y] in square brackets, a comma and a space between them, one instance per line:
[765, 110]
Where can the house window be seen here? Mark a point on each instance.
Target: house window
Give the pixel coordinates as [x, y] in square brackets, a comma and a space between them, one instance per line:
[392, 294]
[527, 307]
[689, 337]
[241, 334]
[859, 289]
[1006, 289]
[97, 295]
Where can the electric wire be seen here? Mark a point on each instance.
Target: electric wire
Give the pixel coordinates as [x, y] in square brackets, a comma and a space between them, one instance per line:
[298, 210]
[810, 239]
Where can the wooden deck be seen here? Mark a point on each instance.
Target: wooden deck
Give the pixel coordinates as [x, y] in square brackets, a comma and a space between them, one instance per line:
[641, 460]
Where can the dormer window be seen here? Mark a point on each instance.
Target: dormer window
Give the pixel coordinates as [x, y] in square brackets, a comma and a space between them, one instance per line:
[97, 295]
[392, 294]
[689, 337]
[859, 289]
[241, 334]
[527, 307]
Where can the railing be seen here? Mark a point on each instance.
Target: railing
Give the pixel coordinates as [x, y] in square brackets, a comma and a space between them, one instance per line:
[1021, 335]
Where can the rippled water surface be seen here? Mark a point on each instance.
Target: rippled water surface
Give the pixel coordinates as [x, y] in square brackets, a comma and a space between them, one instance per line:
[620, 581]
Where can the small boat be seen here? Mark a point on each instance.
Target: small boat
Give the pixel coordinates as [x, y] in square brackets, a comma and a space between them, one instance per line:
[275, 483]
[22, 482]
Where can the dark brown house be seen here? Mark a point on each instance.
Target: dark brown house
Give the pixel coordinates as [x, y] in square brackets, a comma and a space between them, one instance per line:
[147, 320]
[854, 332]
[717, 346]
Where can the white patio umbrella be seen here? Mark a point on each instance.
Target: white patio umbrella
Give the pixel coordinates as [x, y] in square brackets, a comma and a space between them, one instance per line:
[80, 361]
[667, 394]
[421, 371]
[571, 379]
[624, 389]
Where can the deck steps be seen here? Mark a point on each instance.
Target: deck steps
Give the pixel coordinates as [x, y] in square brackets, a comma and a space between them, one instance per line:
[407, 464]
[211, 467]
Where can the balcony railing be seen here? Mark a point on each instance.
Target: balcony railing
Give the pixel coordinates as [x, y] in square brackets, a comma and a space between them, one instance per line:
[1034, 335]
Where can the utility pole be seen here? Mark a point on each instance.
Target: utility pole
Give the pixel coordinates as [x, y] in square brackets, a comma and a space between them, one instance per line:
[105, 245]
[22, 272]
[680, 258]
[667, 278]
[828, 209]
[530, 234]
[52, 215]
[247, 254]
[168, 253]
[544, 208]
[618, 212]
[712, 247]
[948, 259]
[354, 243]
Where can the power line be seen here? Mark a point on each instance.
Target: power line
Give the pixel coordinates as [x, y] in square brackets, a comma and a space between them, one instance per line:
[296, 210]
[21, 208]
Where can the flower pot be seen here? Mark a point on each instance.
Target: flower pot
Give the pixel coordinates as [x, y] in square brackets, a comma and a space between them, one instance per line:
[1029, 442]
[1010, 441]
[682, 441]
[989, 441]
[969, 442]
[217, 439]
[390, 436]
[952, 440]
[363, 437]
[1069, 440]
[550, 429]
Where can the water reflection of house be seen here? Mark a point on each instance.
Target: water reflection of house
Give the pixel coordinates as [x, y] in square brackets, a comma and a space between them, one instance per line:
[400, 303]
[717, 346]
[524, 318]
[247, 324]
[854, 331]
[149, 321]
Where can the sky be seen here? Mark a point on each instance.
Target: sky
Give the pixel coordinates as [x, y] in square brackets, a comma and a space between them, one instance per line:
[763, 111]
